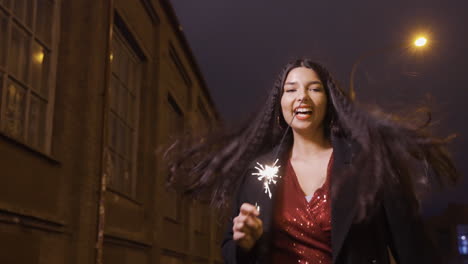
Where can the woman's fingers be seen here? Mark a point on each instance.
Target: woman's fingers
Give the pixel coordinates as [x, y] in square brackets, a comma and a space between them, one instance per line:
[247, 227]
[249, 209]
[238, 236]
[249, 221]
[255, 226]
[238, 225]
[249, 224]
[252, 222]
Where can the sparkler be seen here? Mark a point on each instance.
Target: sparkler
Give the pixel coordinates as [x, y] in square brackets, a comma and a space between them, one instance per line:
[268, 175]
[257, 207]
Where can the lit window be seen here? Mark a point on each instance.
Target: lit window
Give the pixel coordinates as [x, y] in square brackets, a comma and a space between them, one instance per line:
[27, 47]
[462, 231]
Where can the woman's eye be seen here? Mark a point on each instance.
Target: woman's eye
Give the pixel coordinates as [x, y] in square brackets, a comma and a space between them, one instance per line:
[290, 90]
[316, 89]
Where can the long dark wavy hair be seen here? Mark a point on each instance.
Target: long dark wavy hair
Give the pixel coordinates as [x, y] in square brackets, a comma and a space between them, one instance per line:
[391, 149]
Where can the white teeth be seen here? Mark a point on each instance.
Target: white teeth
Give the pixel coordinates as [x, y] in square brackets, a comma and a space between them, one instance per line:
[303, 110]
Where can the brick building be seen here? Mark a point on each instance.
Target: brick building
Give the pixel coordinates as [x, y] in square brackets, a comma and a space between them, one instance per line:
[90, 91]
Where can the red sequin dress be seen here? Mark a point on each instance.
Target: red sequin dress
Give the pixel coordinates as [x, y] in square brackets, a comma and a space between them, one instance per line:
[302, 229]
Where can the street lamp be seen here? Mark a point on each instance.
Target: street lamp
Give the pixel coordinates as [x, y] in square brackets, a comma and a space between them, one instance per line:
[418, 43]
[421, 41]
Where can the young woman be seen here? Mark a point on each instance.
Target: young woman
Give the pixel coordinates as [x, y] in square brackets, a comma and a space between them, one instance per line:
[350, 181]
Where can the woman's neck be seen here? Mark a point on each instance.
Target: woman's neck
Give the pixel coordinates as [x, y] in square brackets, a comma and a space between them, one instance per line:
[309, 145]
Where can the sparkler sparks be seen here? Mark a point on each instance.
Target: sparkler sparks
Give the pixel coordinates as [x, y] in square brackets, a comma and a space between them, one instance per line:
[267, 174]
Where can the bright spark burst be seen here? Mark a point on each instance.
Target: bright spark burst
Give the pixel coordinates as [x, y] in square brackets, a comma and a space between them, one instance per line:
[267, 174]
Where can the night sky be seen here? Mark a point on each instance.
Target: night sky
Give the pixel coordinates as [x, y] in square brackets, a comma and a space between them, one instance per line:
[241, 46]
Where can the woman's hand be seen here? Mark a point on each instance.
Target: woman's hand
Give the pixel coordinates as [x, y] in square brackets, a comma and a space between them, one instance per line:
[247, 227]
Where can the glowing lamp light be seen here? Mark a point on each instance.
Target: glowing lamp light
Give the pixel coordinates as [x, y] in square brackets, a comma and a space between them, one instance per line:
[38, 57]
[421, 41]
[463, 244]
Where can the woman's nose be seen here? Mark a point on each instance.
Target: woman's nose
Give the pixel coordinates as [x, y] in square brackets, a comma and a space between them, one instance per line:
[302, 96]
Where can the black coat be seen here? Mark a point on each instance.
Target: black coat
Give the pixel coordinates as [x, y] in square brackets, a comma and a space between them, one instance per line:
[393, 226]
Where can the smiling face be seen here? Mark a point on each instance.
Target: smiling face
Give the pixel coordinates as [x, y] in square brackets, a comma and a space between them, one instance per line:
[304, 95]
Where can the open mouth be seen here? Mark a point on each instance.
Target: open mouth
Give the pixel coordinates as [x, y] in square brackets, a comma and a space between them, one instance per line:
[303, 111]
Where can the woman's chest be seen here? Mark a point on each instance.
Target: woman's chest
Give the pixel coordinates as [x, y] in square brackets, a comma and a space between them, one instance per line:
[310, 176]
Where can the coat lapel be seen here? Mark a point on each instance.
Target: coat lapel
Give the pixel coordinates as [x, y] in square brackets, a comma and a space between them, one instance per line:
[344, 195]
[344, 202]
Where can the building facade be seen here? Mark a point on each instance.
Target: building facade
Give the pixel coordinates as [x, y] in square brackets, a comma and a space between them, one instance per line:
[450, 232]
[91, 93]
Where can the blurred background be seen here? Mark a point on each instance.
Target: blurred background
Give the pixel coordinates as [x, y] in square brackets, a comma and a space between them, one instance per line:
[91, 92]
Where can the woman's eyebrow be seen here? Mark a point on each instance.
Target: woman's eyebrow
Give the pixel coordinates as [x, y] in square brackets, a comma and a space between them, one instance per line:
[315, 82]
[309, 83]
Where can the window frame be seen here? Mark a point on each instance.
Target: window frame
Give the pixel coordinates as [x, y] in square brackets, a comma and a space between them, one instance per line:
[48, 72]
[127, 42]
[175, 214]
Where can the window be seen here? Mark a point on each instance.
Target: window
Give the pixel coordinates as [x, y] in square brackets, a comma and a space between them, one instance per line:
[201, 217]
[179, 65]
[27, 49]
[205, 122]
[175, 119]
[462, 233]
[168, 259]
[124, 89]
